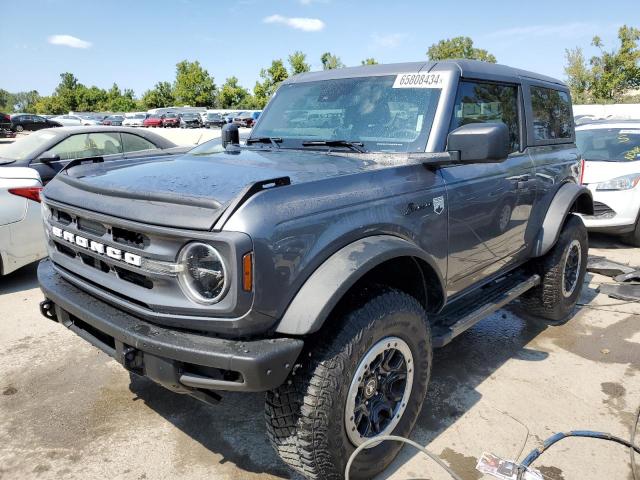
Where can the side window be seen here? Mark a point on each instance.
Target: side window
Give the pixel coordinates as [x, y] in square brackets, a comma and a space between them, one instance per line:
[551, 114]
[105, 144]
[483, 102]
[134, 143]
[88, 145]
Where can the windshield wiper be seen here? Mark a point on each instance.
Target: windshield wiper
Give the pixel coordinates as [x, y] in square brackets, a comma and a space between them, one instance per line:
[272, 140]
[355, 146]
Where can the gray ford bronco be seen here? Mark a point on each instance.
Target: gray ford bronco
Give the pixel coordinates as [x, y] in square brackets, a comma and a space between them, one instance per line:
[372, 215]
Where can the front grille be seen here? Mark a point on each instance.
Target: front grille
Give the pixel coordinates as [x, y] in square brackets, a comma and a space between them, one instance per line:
[99, 264]
[602, 210]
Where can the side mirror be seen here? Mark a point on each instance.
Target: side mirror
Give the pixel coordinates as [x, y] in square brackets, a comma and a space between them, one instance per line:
[48, 157]
[230, 135]
[479, 142]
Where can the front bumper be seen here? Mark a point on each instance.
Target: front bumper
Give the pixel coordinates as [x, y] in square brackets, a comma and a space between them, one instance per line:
[184, 362]
[615, 212]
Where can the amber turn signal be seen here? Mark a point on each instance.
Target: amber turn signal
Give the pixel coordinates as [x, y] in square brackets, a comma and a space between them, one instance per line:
[247, 272]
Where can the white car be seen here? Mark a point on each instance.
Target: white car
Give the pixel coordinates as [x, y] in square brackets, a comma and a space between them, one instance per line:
[611, 154]
[75, 120]
[22, 238]
[134, 119]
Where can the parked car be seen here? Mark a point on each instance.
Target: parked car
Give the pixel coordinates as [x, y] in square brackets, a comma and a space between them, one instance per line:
[153, 120]
[321, 261]
[611, 154]
[113, 120]
[247, 119]
[5, 121]
[213, 120]
[229, 116]
[171, 120]
[21, 235]
[190, 120]
[24, 121]
[48, 151]
[75, 120]
[134, 120]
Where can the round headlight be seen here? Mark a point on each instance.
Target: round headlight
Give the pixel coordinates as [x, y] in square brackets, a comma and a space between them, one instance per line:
[203, 277]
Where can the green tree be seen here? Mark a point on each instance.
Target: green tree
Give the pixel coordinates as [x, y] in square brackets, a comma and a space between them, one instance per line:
[271, 79]
[616, 72]
[369, 61]
[578, 76]
[330, 61]
[92, 99]
[51, 105]
[193, 85]
[458, 47]
[160, 96]
[66, 92]
[609, 76]
[6, 101]
[231, 94]
[24, 101]
[298, 63]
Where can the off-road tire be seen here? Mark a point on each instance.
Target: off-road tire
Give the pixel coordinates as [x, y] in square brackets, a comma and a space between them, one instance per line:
[546, 303]
[305, 416]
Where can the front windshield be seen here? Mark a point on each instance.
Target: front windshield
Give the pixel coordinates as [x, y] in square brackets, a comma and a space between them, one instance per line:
[170, 115]
[609, 144]
[213, 116]
[27, 146]
[382, 113]
[188, 115]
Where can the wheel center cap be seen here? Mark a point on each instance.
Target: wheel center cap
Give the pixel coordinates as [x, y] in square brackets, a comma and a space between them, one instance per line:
[370, 387]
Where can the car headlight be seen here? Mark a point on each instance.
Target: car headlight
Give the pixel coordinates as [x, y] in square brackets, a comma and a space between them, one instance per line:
[203, 276]
[620, 183]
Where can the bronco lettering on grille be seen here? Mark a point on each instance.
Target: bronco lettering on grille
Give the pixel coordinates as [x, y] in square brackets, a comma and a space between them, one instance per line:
[114, 253]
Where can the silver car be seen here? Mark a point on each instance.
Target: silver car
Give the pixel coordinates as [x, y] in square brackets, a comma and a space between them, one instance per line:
[21, 233]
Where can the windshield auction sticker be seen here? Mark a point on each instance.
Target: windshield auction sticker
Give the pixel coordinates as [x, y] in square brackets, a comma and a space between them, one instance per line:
[421, 80]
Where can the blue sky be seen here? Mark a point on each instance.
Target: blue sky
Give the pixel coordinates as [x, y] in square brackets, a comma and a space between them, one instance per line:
[138, 42]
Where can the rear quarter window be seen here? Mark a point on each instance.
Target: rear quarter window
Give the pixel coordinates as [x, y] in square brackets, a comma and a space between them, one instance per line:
[552, 115]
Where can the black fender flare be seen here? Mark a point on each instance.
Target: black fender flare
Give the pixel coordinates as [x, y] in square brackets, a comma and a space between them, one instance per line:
[568, 199]
[325, 287]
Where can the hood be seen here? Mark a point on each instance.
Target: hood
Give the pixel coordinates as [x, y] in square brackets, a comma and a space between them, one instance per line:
[596, 172]
[195, 189]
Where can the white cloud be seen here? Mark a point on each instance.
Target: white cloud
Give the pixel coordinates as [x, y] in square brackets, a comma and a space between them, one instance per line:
[68, 41]
[390, 40]
[305, 24]
[566, 30]
[309, 2]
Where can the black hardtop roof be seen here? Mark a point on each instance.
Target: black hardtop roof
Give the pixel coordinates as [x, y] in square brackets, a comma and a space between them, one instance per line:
[467, 68]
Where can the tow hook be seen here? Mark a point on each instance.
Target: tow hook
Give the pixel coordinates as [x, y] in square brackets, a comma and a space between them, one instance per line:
[48, 310]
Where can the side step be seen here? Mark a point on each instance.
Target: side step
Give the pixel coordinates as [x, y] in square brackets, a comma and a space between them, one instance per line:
[469, 310]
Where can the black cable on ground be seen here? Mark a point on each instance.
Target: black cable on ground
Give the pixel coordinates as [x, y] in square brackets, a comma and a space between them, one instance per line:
[534, 454]
[416, 445]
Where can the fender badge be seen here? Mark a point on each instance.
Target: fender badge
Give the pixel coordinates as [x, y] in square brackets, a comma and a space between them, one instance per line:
[438, 204]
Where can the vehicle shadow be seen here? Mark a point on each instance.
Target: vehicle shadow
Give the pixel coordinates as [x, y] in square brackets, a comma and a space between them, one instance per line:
[606, 242]
[22, 279]
[234, 430]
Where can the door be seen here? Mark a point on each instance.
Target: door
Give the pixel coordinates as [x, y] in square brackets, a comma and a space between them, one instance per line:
[489, 203]
[38, 122]
[82, 145]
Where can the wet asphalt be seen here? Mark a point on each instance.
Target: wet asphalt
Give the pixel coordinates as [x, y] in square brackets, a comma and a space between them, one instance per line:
[69, 411]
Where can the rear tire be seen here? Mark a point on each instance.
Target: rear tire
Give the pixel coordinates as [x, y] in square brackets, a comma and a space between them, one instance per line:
[562, 272]
[19, 128]
[307, 417]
